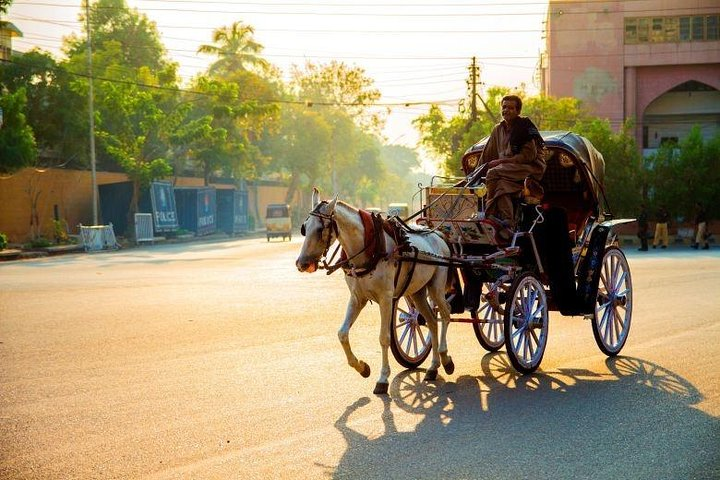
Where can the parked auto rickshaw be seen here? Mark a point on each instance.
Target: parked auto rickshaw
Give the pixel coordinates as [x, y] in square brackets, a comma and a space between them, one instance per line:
[277, 221]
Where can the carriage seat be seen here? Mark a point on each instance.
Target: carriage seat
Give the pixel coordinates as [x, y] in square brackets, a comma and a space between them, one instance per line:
[565, 189]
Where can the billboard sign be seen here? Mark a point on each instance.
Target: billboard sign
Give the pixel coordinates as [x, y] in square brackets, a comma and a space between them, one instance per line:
[163, 206]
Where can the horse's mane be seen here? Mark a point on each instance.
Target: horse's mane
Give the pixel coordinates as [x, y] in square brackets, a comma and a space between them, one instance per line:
[320, 206]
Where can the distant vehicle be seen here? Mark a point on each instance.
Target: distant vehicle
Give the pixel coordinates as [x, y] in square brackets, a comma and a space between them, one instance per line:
[277, 221]
[398, 209]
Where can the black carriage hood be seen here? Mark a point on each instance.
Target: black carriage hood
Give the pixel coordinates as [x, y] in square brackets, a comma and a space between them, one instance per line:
[577, 145]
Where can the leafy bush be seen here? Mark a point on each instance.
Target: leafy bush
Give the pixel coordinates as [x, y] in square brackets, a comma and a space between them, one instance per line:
[3, 241]
[40, 242]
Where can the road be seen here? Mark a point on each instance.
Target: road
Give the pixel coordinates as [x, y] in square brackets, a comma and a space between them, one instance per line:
[220, 360]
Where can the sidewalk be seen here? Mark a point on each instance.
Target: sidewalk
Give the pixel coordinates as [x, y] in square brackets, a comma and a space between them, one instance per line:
[10, 254]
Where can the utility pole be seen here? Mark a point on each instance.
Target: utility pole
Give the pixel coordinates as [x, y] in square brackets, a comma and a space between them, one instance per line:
[474, 79]
[91, 115]
[473, 83]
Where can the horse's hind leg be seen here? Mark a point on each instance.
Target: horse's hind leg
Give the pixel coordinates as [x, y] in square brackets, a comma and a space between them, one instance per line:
[354, 306]
[421, 303]
[436, 292]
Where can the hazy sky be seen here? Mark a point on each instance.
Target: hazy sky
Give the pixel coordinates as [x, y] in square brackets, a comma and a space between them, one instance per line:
[417, 51]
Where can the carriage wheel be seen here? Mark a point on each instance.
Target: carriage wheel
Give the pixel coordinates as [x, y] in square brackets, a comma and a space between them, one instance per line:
[526, 323]
[409, 335]
[490, 333]
[613, 307]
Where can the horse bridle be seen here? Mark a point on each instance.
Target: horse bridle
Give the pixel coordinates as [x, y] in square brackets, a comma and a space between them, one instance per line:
[324, 263]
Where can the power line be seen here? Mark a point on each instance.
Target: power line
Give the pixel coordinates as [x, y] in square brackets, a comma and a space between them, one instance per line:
[259, 100]
[370, 14]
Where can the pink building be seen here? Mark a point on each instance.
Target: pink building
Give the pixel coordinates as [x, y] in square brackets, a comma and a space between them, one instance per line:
[657, 61]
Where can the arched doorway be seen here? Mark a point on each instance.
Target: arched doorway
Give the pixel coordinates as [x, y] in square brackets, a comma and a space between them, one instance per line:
[670, 116]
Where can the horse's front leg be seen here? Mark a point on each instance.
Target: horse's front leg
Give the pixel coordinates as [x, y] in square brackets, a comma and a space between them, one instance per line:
[381, 387]
[354, 306]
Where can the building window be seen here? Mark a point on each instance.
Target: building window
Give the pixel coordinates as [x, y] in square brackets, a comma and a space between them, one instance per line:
[712, 27]
[643, 30]
[684, 29]
[697, 28]
[658, 33]
[671, 29]
[631, 33]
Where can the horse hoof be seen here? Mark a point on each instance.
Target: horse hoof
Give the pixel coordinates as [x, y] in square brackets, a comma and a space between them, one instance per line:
[365, 371]
[381, 389]
[449, 367]
[431, 375]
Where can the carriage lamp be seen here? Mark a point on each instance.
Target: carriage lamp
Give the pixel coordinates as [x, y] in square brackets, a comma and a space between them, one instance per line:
[470, 163]
[481, 190]
[565, 160]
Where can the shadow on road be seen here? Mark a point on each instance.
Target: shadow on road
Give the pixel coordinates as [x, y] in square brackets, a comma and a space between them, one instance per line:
[635, 421]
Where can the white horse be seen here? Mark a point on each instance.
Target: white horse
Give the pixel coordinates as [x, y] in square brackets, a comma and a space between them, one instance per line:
[372, 276]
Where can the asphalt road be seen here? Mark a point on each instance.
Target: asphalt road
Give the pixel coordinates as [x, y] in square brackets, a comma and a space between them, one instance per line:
[220, 360]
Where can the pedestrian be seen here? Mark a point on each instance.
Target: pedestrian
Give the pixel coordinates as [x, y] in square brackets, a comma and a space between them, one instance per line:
[643, 228]
[661, 228]
[701, 235]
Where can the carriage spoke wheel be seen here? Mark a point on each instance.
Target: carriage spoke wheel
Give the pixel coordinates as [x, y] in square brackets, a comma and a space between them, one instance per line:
[490, 330]
[526, 323]
[613, 307]
[409, 335]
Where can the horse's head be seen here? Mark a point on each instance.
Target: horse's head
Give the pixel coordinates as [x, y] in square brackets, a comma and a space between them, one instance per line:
[320, 231]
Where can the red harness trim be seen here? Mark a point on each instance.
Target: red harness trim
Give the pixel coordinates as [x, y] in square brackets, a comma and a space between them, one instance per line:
[369, 237]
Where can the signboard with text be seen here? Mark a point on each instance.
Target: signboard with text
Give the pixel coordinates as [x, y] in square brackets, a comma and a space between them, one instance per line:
[163, 206]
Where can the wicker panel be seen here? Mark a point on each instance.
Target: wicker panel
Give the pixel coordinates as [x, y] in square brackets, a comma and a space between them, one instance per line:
[451, 203]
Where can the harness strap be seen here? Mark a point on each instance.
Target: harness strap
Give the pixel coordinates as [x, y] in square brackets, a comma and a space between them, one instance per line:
[409, 276]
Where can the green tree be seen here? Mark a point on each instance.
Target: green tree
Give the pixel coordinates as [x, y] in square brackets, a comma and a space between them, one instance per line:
[55, 112]
[681, 174]
[135, 38]
[340, 87]
[623, 174]
[236, 49]
[17, 144]
[5, 5]
[342, 97]
[133, 135]
[301, 148]
[402, 175]
[216, 130]
[128, 59]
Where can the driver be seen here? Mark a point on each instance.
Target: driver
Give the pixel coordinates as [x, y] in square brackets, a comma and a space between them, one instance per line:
[514, 151]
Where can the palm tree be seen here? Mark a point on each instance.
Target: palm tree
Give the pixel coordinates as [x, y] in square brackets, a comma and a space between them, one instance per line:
[236, 50]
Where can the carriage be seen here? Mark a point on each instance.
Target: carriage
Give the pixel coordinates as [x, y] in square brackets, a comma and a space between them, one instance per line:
[563, 256]
[454, 266]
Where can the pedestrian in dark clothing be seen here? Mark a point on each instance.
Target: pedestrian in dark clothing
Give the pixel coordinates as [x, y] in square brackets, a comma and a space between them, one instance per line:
[661, 228]
[701, 235]
[643, 228]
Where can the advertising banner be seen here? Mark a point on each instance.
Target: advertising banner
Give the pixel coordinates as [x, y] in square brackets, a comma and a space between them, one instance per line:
[163, 206]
